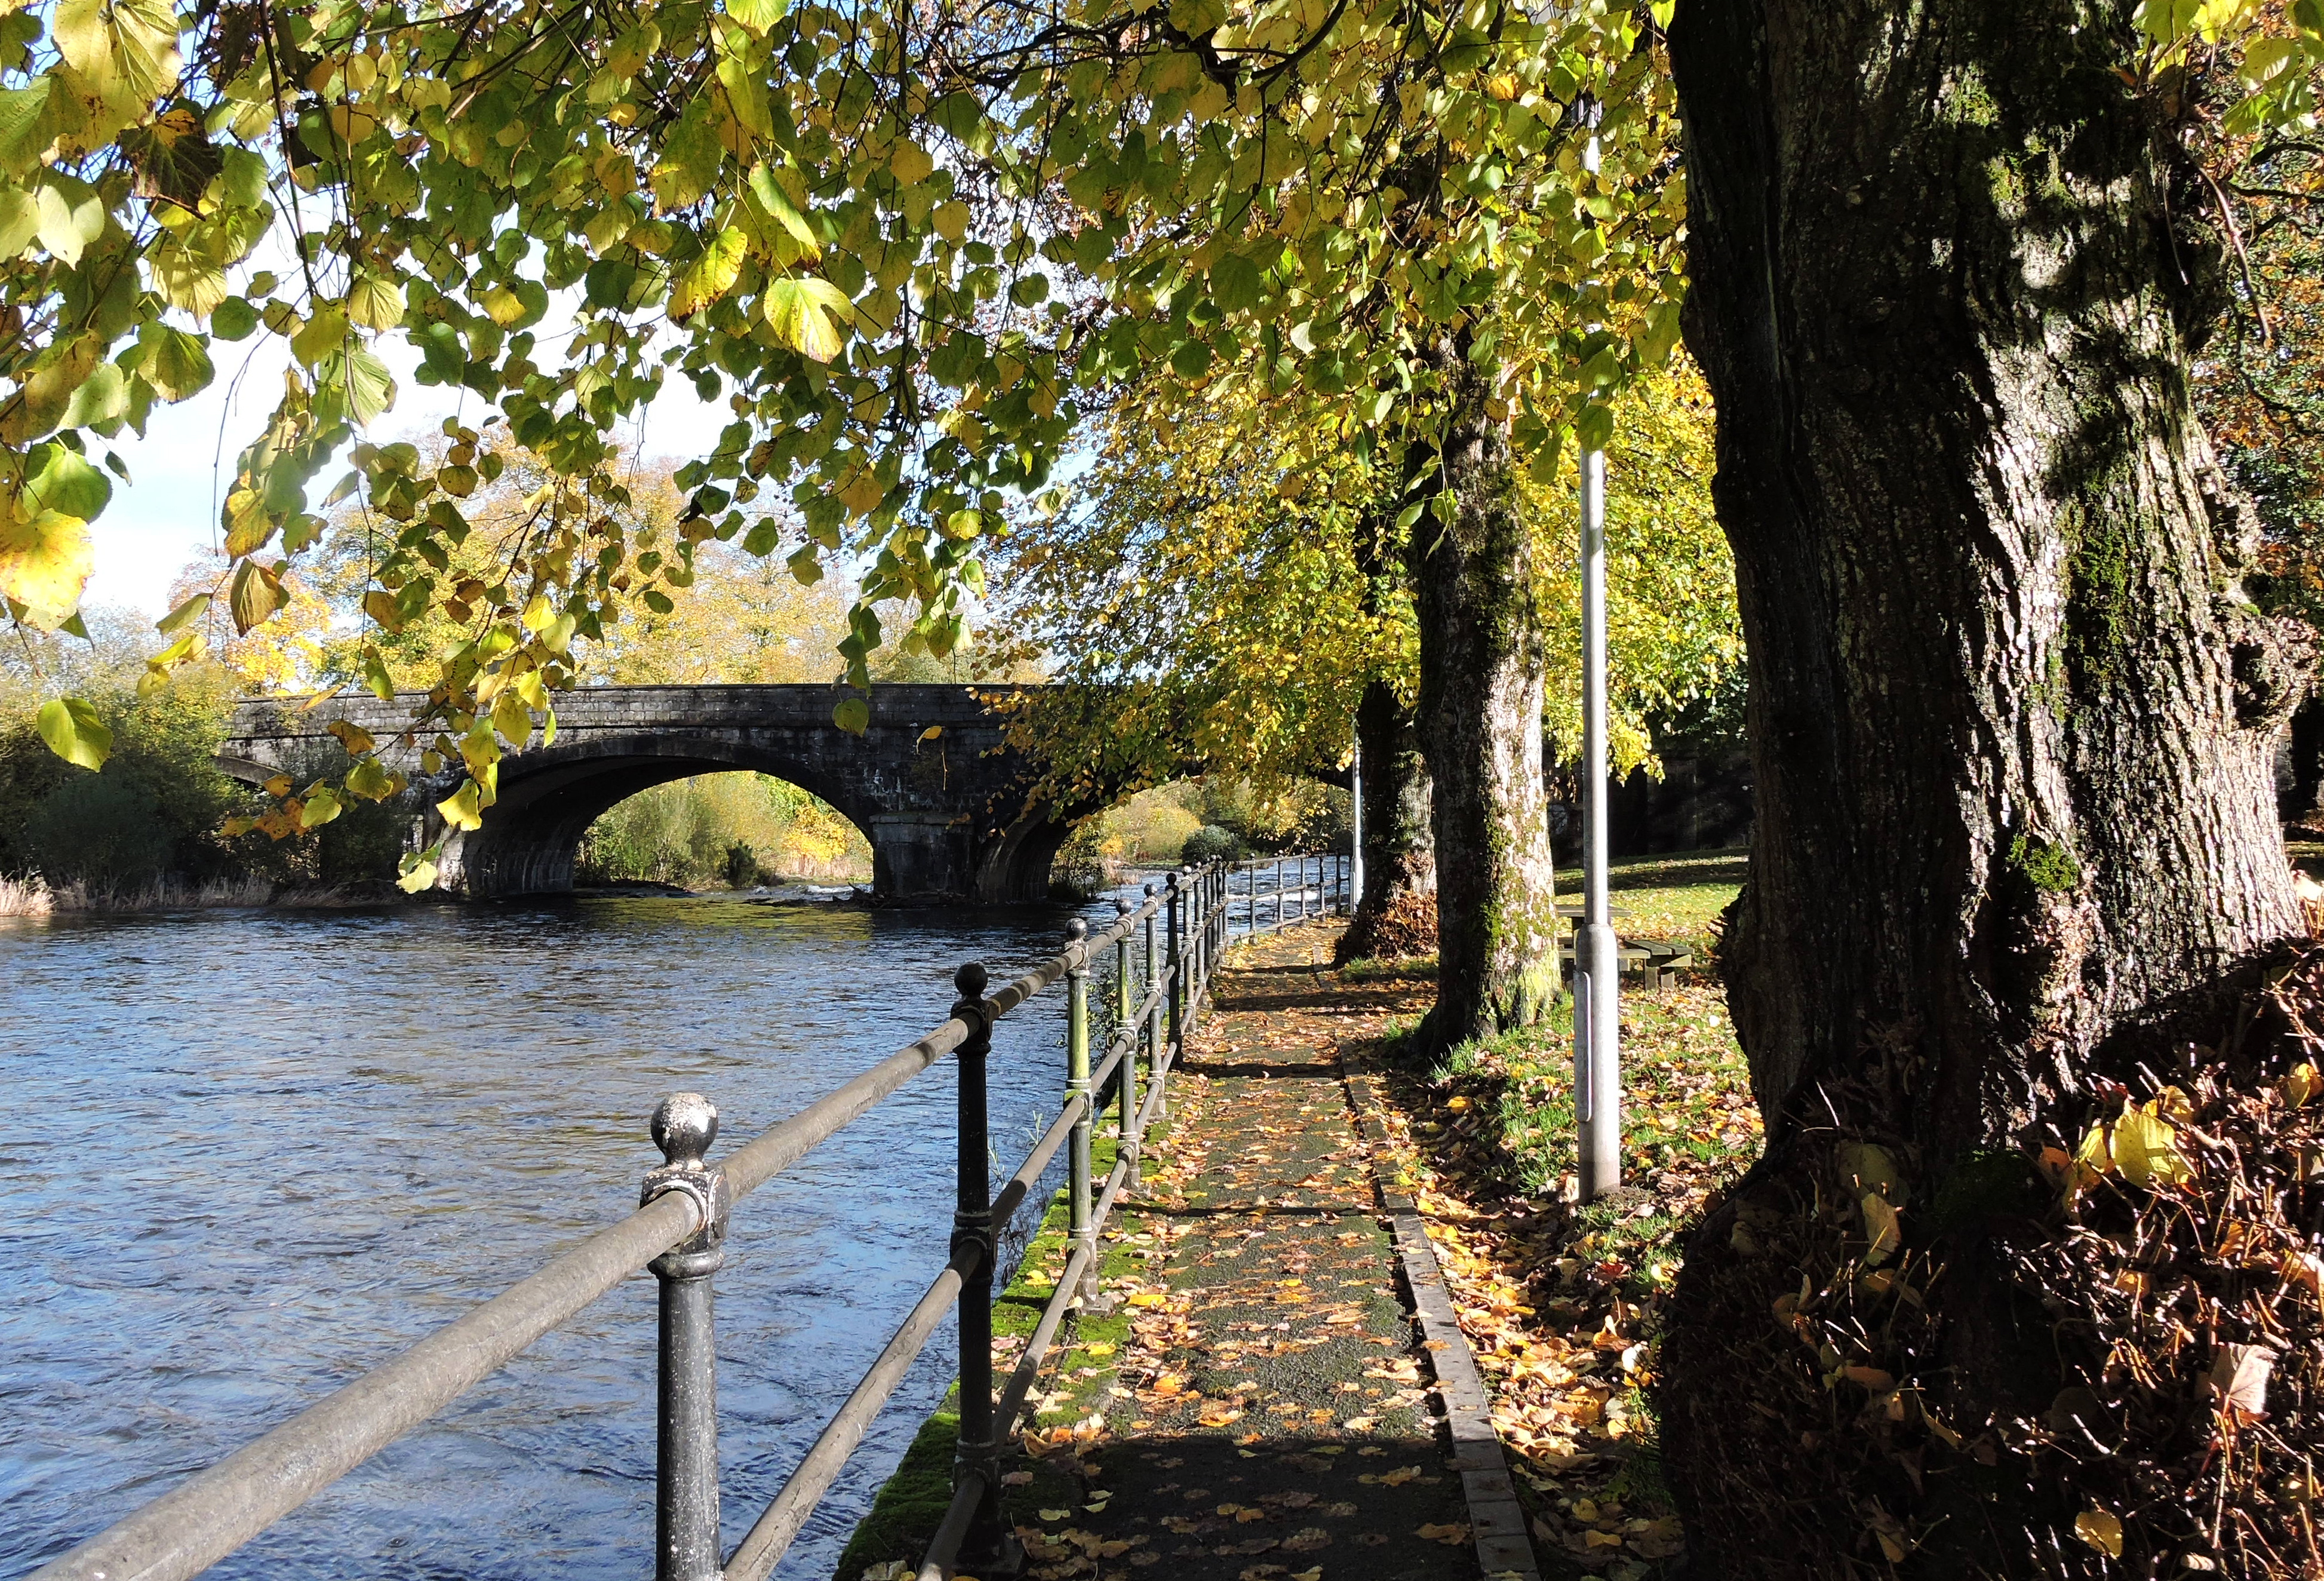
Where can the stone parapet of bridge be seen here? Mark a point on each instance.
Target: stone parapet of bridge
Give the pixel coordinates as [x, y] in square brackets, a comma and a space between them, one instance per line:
[933, 781]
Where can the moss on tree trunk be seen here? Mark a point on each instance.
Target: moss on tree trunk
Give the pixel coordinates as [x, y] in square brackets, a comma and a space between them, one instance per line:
[2011, 716]
[1475, 572]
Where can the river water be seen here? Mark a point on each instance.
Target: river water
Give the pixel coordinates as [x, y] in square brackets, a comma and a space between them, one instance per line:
[254, 1153]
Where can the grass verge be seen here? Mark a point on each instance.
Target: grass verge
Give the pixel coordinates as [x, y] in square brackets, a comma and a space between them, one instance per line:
[912, 1502]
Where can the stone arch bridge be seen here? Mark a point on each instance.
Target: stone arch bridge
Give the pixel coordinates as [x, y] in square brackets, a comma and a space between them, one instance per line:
[934, 784]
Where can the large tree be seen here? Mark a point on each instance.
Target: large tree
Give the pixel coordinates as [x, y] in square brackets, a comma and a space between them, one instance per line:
[2011, 716]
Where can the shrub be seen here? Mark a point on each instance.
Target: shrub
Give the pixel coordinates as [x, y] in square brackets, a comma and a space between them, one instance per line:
[1212, 844]
[97, 829]
[742, 870]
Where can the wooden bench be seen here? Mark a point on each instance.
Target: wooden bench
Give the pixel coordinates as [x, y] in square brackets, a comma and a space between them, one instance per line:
[1655, 962]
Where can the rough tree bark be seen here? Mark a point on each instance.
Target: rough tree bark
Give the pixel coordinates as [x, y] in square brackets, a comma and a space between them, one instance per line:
[1397, 912]
[2011, 715]
[1473, 580]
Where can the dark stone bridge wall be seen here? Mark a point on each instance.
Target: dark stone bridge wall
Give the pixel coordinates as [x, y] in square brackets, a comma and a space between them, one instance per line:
[932, 782]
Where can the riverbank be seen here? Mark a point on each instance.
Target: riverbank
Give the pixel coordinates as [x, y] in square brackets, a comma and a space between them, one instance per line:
[34, 897]
[1263, 1409]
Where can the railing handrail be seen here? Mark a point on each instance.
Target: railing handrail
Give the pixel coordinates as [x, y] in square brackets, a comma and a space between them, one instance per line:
[195, 1524]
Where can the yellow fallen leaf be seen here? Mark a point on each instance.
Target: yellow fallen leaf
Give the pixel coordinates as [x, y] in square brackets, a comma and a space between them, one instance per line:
[1146, 1299]
[1451, 1534]
[2146, 1148]
[1602, 1539]
[2101, 1530]
[2301, 1085]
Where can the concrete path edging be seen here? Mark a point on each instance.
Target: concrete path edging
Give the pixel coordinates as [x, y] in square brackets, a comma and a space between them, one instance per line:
[1497, 1521]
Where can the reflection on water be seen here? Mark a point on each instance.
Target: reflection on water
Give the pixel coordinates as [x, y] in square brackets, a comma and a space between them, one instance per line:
[253, 1154]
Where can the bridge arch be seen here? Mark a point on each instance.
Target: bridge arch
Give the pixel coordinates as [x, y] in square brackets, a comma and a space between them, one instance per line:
[933, 782]
[545, 806]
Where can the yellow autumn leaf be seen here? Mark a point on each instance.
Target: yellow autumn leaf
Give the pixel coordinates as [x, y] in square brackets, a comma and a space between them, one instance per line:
[910, 164]
[2146, 1148]
[459, 809]
[2300, 1086]
[2101, 1530]
[45, 562]
[801, 310]
[710, 276]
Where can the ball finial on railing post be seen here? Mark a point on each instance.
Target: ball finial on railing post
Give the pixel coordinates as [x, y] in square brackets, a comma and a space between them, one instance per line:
[1076, 931]
[684, 1124]
[971, 980]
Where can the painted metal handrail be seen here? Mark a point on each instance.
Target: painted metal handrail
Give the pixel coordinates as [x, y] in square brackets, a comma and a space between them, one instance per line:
[678, 1232]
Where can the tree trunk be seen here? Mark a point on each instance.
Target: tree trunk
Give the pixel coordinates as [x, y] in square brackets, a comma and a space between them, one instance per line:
[2011, 716]
[1479, 710]
[1395, 915]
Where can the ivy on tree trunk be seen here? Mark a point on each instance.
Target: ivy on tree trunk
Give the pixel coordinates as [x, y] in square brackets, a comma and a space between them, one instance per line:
[2011, 713]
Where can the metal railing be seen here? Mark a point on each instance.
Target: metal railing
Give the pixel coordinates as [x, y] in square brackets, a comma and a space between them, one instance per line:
[1276, 891]
[678, 1232]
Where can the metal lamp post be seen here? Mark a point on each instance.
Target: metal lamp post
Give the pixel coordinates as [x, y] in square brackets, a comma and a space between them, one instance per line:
[1596, 968]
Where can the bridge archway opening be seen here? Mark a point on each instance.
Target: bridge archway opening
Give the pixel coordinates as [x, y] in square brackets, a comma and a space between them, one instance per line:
[736, 828]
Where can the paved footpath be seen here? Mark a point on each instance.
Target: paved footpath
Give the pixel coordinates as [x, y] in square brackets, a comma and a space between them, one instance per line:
[1265, 1413]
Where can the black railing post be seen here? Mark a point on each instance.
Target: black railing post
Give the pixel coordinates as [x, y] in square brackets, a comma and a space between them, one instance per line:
[1177, 1027]
[989, 1548]
[1125, 1078]
[685, 1517]
[1077, 1085]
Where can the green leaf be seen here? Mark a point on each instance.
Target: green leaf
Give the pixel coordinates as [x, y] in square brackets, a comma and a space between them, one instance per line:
[798, 310]
[241, 178]
[31, 118]
[192, 609]
[20, 221]
[757, 16]
[233, 319]
[375, 676]
[102, 399]
[74, 732]
[852, 715]
[58, 479]
[805, 566]
[318, 808]
[371, 388]
[177, 364]
[784, 212]
[763, 537]
[689, 159]
[1236, 283]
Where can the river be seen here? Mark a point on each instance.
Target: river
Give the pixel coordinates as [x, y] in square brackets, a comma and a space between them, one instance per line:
[255, 1152]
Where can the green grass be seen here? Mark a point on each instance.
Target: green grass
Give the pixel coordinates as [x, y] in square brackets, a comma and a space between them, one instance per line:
[1678, 895]
[912, 1503]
